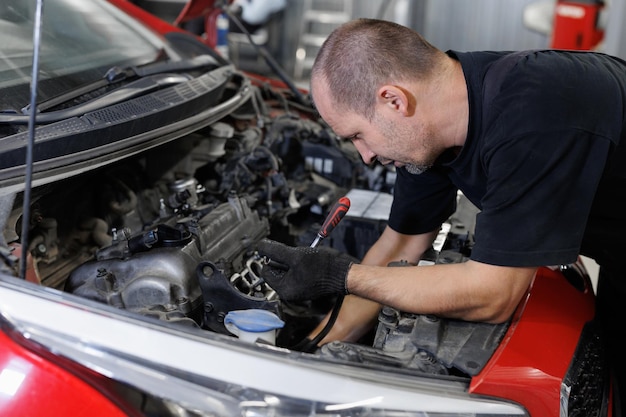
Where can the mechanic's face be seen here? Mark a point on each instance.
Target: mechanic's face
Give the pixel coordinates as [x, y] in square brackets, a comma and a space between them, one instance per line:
[390, 137]
[405, 146]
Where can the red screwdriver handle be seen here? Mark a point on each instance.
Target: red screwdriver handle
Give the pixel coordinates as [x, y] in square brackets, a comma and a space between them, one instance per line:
[334, 216]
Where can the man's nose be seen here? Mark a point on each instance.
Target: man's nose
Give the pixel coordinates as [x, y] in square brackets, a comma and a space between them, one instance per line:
[366, 154]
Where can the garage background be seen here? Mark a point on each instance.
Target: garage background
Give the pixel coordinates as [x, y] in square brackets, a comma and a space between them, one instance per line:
[293, 34]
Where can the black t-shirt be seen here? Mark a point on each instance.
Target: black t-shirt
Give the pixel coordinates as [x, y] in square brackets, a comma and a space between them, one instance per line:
[544, 160]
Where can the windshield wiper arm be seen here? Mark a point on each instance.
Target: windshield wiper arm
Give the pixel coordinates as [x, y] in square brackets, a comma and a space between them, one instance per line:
[136, 88]
[112, 76]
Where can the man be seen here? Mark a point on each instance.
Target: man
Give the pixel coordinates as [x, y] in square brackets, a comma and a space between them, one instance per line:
[536, 140]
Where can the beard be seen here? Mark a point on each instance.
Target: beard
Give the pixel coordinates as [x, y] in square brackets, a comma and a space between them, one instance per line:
[417, 169]
[408, 138]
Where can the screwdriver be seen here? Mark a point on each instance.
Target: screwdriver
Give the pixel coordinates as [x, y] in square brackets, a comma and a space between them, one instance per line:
[332, 220]
[335, 215]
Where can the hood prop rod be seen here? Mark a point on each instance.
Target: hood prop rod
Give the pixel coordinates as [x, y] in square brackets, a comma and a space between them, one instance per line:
[31, 139]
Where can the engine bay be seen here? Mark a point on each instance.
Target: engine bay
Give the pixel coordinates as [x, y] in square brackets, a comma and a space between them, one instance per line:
[171, 233]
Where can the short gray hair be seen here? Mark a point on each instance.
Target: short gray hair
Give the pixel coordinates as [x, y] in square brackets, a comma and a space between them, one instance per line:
[363, 54]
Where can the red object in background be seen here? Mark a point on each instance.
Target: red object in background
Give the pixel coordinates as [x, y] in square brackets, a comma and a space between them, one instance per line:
[209, 11]
[206, 10]
[201, 9]
[155, 23]
[576, 25]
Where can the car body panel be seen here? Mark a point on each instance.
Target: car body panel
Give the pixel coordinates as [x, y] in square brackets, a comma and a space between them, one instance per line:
[537, 349]
[31, 385]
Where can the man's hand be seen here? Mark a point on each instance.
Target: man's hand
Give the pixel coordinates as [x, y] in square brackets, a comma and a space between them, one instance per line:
[304, 273]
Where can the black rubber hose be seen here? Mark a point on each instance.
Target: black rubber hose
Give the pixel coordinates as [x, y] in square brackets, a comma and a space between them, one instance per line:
[310, 345]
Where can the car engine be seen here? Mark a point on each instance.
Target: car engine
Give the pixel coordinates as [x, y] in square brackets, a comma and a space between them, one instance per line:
[171, 232]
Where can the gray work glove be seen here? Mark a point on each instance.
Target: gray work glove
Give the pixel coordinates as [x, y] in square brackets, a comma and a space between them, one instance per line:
[304, 273]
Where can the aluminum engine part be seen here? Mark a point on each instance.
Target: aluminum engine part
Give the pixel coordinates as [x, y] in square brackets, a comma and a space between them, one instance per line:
[153, 275]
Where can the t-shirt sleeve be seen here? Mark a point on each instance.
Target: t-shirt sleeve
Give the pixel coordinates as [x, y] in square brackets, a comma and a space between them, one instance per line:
[421, 202]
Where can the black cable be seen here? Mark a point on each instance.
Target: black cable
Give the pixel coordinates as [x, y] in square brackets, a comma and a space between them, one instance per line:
[268, 58]
[310, 345]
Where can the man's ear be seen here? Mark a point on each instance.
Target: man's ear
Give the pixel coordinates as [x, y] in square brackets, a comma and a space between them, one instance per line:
[395, 98]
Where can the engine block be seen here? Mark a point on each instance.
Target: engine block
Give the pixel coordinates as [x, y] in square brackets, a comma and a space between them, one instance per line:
[154, 273]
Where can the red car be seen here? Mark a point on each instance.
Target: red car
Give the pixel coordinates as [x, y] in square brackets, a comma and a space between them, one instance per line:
[132, 200]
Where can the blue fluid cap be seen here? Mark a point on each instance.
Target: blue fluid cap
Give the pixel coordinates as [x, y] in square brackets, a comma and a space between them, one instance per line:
[254, 320]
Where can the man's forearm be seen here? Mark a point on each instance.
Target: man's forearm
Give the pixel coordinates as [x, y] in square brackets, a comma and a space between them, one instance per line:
[469, 291]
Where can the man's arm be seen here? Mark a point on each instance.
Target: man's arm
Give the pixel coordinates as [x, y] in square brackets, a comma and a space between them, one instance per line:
[358, 315]
[470, 290]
